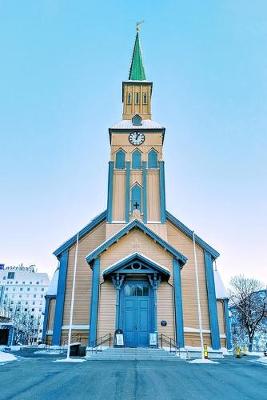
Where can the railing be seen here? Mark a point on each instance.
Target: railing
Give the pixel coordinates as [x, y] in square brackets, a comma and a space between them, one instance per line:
[171, 344]
[100, 341]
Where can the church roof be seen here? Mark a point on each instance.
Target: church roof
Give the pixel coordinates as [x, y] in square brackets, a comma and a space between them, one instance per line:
[52, 288]
[135, 224]
[137, 71]
[220, 290]
[102, 217]
[145, 124]
[188, 232]
[92, 224]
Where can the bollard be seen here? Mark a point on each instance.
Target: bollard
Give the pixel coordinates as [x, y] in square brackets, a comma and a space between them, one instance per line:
[206, 354]
[238, 352]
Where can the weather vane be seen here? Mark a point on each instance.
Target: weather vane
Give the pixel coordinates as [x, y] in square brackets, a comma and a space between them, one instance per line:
[138, 24]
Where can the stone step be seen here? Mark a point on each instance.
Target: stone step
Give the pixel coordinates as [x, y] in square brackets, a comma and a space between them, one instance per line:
[142, 354]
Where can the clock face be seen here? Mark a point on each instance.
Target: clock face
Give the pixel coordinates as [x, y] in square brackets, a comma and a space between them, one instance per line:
[136, 138]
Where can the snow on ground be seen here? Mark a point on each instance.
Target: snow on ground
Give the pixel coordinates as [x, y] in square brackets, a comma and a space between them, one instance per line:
[48, 352]
[202, 361]
[71, 360]
[6, 357]
[262, 360]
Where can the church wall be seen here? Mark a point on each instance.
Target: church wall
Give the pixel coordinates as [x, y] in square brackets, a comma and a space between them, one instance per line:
[83, 278]
[220, 310]
[76, 336]
[107, 309]
[118, 212]
[135, 241]
[120, 141]
[193, 339]
[136, 176]
[165, 310]
[153, 200]
[51, 314]
[184, 244]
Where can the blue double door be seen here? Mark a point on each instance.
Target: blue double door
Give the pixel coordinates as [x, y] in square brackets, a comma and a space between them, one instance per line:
[136, 315]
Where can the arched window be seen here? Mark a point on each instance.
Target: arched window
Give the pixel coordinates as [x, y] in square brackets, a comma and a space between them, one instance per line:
[152, 159]
[136, 193]
[129, 98]
[144, 98]
[120, 160]
[137, 120]
[136, 98]
[136, 159]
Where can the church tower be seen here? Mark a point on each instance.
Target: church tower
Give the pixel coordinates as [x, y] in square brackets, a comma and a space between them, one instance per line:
[135, 262]
[136, 183]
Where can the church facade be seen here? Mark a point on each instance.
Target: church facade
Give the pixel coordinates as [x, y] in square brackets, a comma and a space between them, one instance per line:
[135, 260]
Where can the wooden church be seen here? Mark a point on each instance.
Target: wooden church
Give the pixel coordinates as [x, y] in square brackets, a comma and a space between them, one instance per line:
[136, 261]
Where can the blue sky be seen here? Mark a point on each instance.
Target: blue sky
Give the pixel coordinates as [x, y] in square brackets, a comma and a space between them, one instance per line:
[62, 63]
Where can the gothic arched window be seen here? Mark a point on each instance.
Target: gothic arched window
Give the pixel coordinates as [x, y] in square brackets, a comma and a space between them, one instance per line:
[136, 98]
[144, 98]
[120, 159]
[136, 195]
[129, 98]
[152, 159]
[136, 159]
[137, 120]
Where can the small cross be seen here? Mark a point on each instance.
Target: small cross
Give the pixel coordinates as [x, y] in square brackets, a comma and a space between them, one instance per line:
[136, 205]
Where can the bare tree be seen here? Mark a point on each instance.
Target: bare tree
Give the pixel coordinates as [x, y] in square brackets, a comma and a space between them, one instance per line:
[248, 306]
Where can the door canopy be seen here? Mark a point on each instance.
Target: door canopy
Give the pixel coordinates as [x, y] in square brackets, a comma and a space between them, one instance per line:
[136, 264]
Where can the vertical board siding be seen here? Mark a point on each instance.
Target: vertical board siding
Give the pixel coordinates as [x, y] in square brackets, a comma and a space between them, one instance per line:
[185, 245]
[51, 314]
[83, 277]
[153, 201]
[107, 309]
[193, 339]
[119, 188]
[165, 310]
[220, 311]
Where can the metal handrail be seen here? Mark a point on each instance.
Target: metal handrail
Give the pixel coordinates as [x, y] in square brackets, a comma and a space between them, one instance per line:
[171, 343]
[103, 339]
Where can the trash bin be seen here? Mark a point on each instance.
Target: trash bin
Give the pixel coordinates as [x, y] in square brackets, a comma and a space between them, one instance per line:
[74, 349]
[82, 351]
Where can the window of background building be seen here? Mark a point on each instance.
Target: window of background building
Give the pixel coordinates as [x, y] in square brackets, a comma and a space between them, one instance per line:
[10, 275]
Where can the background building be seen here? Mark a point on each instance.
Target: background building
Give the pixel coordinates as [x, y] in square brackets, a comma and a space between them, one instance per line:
[22, 295]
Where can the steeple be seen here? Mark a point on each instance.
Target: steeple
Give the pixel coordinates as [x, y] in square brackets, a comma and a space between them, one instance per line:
[137, 71]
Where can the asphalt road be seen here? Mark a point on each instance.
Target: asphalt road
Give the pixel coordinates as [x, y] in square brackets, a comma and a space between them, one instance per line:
[42, 379]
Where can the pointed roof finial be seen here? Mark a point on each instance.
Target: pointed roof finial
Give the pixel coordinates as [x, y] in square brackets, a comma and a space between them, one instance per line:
[137, 71]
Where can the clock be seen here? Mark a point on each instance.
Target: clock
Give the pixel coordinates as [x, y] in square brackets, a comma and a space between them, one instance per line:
[136, 138]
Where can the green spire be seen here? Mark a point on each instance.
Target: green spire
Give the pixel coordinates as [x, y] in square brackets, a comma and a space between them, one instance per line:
[137, 71]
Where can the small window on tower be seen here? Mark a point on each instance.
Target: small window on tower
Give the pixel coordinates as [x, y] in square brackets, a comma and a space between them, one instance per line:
[136, 98]
[144, 98]
[129, 98]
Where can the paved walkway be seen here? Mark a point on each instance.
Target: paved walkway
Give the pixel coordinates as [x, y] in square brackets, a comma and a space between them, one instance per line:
[42, 379]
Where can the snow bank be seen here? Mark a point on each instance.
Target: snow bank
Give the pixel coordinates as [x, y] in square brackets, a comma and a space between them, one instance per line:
[202, 361]
[48, 352]
[6, 357]
[71, 360]
[262, 360]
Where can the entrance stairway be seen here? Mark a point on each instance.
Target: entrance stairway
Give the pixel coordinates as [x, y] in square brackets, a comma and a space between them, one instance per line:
[127, 354]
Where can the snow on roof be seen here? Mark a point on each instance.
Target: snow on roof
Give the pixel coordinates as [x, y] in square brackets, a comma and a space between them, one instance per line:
[146, 124]
[221, 292]
[52, 289]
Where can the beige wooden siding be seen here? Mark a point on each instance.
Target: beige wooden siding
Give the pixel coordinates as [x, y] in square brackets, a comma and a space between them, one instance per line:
[118, 212]
[80, 336]
[136, 241]
[220, 311]
[107, 309]
[83, 277]
[193, 339]
[153, 201]
[51, 314]
[136, 176]
[165, 310]
[185, 245]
